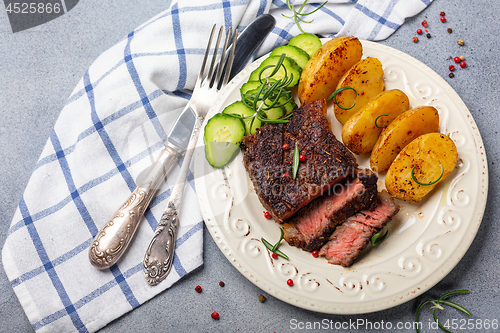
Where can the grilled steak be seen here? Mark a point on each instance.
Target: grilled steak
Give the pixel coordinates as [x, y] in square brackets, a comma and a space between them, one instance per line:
[352, 236]
[311, 226]
[377, 218]
[327, 161]
[347, 242]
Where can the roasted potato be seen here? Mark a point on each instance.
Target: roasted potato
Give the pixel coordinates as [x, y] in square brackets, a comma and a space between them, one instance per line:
[400, 132]
[420, 166]
[366, 77]
[324, 69]
[361, 131]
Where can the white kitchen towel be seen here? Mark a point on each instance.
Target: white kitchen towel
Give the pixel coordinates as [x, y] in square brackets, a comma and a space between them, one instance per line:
[111, 129]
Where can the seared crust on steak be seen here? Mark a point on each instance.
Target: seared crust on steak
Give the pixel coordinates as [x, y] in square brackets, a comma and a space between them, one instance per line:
[328, 161]
[313, 224]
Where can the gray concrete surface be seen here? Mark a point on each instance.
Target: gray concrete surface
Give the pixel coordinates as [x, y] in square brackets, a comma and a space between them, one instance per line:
[41, 66]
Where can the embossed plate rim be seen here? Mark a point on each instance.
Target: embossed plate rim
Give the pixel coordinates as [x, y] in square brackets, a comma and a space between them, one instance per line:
[273, 283]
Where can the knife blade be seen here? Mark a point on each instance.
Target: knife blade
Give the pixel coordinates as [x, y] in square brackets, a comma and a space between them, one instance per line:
[113, 238]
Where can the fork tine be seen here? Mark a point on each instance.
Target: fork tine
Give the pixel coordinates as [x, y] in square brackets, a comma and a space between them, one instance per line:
[220, 67]
[207, 51]
[214, 56]
[229, 63]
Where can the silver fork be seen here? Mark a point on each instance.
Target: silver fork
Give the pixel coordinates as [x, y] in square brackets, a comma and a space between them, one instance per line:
[159, 255]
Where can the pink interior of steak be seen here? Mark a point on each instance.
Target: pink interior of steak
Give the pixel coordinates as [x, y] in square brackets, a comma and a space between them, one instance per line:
[352, 236]
[381, 215]
[347, 242]
[311, 226]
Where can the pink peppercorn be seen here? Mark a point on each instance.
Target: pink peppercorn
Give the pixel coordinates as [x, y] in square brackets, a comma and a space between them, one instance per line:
[463, 64]
[289, 282]
[451, 68]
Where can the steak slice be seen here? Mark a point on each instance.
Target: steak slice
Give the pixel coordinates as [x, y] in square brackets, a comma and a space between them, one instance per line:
[347, 242]
[311, 226]
[352, 236]
[327, 162]
[377, 218]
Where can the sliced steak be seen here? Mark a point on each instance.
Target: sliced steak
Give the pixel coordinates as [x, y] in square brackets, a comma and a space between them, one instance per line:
[311, 226]
[352, 236]
[347, 242]
[327, 162]
[377, 218]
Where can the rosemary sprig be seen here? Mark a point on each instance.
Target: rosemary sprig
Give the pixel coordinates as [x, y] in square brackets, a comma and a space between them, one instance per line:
[334, 97]
[437, 305]
[274, 248]
[426, 184]
[297, 14]
[376, 119]
[375, 238]
[269, 95]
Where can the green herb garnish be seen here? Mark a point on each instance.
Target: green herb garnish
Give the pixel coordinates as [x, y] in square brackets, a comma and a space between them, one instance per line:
[375, 238]
[377, 120]
[437, 305]
[297, 14]
[426, 184]
[337, 91]
[268, 95]
[295, 160]
[274, 248]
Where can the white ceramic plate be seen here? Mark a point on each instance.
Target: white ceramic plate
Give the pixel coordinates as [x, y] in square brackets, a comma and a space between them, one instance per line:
[426, 240]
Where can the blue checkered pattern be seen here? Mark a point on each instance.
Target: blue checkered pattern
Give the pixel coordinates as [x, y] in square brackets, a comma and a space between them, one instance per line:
[110, 130]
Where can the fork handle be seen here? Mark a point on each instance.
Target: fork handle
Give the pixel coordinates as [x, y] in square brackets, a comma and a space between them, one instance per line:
[159, 255]
[115, 236]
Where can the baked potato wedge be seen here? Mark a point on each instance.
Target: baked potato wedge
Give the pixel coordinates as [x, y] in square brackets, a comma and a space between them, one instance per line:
[401, 131]
[361, 131]
[366, 77]
[324, 69]
[420, 166]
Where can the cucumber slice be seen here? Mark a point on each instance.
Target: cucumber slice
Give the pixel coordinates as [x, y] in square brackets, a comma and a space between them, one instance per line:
[290, 106]
[275, 113]
[307, 42]
[239, 108]
[222, 138]
[298, 55]
[291, 71]
[247, 86]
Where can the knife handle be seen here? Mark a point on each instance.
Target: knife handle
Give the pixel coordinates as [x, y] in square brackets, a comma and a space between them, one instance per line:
[114, 237]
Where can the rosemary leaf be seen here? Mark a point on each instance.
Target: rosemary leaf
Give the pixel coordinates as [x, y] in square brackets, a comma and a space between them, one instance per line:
[456, 306]
[295, 160]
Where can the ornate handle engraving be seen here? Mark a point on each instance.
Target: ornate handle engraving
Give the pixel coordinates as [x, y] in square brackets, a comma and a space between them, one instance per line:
[114, 237]
[162, 246]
